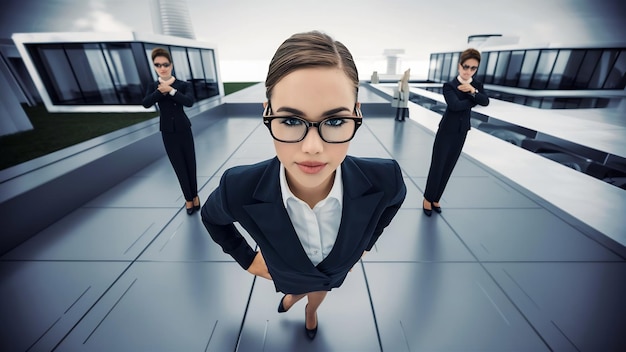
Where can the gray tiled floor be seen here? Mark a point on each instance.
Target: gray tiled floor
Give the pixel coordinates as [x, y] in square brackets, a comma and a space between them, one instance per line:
[496, 271]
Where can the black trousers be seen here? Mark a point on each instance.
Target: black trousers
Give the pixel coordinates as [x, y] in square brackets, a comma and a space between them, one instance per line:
[405, 111]
[181, 151]
[446, 151]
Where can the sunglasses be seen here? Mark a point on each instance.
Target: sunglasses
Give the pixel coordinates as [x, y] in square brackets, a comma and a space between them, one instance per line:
[166, 65]
[468, 67]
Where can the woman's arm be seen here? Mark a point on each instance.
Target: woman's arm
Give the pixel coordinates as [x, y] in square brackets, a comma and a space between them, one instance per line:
[480, 97]
[393, 207]
[453, 101]
[220, 225]
[152, 96]
[183, 94]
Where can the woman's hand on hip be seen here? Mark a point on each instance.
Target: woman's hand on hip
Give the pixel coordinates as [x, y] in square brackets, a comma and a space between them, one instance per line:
[258, 267]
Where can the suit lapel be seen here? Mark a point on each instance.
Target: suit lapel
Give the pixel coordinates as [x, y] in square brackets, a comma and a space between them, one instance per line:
[358, 208]
[273, 220]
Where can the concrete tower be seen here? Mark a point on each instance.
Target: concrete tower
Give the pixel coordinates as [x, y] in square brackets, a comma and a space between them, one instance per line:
[171, 18]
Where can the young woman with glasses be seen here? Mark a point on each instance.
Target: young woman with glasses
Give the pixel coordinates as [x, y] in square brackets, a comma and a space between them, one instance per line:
[461, 95]
[171, 95]
[312, 210]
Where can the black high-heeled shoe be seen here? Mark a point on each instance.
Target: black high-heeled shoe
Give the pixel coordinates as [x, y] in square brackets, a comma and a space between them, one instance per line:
[197, 207]
[281, 307]
[190, 210]
[428, 212]
[310, 333]
[435, 208]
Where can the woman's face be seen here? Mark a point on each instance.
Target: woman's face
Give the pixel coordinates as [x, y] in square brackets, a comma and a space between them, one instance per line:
[163, 67]
[468, 68]
[312, 94]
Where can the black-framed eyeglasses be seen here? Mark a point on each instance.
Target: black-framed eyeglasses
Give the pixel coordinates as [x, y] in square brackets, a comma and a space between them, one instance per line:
[166, 65]
[468, 67]
[293, 129]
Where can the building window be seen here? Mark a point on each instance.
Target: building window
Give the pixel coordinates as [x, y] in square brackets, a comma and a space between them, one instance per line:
[544, 69]
[559, 69]
[528, 68]
[603, 68]
[182, 71]
[501, 67]
[123, 72]
[210, 72]
[56, 73]
[492, 60]
[586, 69]
[571, 69]
[445, 74]
[616, 78]
[514, 68]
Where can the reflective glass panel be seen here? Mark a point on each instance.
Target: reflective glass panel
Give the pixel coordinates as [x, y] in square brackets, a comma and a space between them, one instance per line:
[210, 72]
[491, 66]
[559, 69]
[617, 76]
[515, 66]
[501, 66]
[123, 70]
[571, 69]
[544, 68]
[586, 69]
[603, 68]
[57, 75]
[528, 68]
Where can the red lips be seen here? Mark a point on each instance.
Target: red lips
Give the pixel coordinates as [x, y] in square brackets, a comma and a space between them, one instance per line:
[311, 167]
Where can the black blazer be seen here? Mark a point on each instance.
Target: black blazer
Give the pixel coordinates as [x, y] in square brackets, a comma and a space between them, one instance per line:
[456, 118]
[373, 192]
[173, 117]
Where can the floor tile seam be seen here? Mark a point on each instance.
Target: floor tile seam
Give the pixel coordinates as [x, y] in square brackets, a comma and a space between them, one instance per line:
[575, 223]
[516, 306]
[245, 314]
[380, 142]
[115, 281]
[201, 187]
[371, 301]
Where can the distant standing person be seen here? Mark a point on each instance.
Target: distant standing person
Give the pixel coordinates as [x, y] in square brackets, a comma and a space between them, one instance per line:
[402, 110]
[461, 95]
[171, 95]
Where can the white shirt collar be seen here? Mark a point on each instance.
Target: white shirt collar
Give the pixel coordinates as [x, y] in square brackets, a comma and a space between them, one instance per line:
[336, 191]
[464, 81]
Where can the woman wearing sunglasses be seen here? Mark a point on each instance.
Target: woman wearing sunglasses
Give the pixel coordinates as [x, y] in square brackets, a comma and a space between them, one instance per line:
[312, 210]
[171, 95]
[461, 95]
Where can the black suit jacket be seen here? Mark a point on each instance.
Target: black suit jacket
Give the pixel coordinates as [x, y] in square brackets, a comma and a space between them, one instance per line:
[373, 192]
[456, 118]
[173, 117]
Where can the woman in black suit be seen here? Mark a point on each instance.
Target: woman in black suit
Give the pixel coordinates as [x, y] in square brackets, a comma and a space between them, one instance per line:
[171, 95]
[312, 210]
[461, 95]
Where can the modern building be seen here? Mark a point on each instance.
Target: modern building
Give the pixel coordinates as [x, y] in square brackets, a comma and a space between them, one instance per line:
[110, 72]
[552, 77]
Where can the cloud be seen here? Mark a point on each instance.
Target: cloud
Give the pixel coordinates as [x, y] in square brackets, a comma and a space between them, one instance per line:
[97, 19]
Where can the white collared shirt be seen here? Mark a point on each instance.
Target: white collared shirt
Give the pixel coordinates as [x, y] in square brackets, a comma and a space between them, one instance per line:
[316, 228]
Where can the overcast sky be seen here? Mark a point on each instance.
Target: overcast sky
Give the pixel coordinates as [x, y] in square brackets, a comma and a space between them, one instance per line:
[251, 30]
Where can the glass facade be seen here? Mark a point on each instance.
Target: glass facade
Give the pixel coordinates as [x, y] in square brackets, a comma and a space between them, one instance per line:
[116, 73]
[543, 69]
